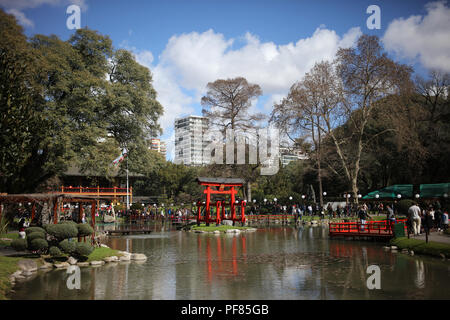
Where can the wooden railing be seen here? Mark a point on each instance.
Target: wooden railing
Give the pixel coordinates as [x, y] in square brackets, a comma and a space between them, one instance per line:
[95, 190]
[370, 228]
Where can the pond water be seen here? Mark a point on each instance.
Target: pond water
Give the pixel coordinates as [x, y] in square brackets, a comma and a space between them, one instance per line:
[272, 263]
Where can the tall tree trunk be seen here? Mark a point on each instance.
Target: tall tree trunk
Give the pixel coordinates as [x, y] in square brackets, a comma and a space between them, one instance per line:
[319, 170]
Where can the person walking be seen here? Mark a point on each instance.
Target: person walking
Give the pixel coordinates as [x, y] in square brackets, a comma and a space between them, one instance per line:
[428, 221]
[414, 217]
[363, 216]
[445, 220]
[330, 210]
[390, 217]
[438, 220]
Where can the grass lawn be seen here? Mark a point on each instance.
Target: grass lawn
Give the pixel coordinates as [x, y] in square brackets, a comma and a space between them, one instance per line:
[100, 253]
[421, 247]
[8, 265]
[213, 227]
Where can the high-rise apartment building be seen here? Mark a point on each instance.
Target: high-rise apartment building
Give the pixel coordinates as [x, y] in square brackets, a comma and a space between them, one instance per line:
[189, 142]
[158, 146]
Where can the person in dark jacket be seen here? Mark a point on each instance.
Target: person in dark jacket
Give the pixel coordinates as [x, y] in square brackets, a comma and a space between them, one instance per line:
[428, 221]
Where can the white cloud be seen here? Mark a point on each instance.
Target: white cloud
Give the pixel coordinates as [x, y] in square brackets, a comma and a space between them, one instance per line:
[21, 19]
[191, 60]
[422, 38]
[199, 58]
[16, 7]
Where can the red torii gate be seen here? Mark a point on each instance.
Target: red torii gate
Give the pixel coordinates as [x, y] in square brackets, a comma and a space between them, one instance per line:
[220, 186]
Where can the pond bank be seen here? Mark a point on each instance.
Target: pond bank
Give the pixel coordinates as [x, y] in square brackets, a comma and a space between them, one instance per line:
[19, 267]
[416, 246]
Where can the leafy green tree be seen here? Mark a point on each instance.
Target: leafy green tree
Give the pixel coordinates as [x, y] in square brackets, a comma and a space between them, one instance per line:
[19, 98]
[71, 103]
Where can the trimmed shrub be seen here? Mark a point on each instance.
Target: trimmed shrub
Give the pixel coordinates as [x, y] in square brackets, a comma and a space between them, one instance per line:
[67, 246]
[403, 206]
[54, 251]
[34, 229]
[19, 244]
[38, 244]
[84, 249]
[35, 235]
[84, 230]
[68, 221]
[62, 231]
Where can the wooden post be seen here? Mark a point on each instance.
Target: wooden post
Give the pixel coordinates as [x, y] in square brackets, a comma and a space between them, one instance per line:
[131, 194]
[207, 208]
[33, 211]
[55, 211]
[233, 209]
[93, 207]
[223, 210]
[1, 207]
[243, 203]
[218, 213]
[199, 210]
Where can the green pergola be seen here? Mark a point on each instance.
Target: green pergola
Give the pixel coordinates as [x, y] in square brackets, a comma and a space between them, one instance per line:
[435, 190]
[427, 191]
[391, 192]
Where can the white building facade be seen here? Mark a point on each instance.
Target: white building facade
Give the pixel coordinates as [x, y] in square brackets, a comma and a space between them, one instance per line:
[189, 141]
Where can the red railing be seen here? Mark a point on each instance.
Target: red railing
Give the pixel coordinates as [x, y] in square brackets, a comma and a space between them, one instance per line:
[95, 190]
[370, 228]
[270, 216]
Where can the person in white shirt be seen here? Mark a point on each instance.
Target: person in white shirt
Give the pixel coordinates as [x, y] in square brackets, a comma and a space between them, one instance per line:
[414, 216]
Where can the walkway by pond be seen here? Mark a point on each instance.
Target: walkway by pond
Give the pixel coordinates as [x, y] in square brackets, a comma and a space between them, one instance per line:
[273, 263]
[434, 236]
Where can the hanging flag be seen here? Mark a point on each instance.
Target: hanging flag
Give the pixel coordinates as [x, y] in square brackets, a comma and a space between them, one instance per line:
[120, 158]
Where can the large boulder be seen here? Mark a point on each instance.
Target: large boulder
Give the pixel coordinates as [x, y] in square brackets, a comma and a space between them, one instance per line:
[61, 265]
[138, 256]
[111, 259]
[125, 257]
[27, 265]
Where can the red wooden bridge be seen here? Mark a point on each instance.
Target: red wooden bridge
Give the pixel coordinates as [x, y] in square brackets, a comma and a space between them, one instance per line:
[374, 229]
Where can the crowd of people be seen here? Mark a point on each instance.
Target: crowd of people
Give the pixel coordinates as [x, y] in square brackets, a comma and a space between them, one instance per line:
[427, 218]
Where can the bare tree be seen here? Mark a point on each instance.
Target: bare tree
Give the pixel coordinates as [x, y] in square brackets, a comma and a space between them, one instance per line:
[227, 103]
[343, 94]
[367, 76]
[308, 110]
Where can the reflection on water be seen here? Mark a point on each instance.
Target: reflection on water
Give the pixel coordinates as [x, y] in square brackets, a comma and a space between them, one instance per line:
[274, 263]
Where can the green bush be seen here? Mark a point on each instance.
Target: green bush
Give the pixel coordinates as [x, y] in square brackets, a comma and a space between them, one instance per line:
[68, 246]
[35, 235]
[62, 231]
[84, 230]
[67, 222]
[19, 244]
[83, 249]
[34, 229]
[38, 244]
[54, 251]
[403, 206]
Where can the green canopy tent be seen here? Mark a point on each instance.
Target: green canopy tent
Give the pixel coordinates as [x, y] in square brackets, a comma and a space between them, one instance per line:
[435, 190]
[391, 192]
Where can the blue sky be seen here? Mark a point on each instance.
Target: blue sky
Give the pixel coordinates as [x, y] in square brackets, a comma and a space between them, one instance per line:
[188, 43]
